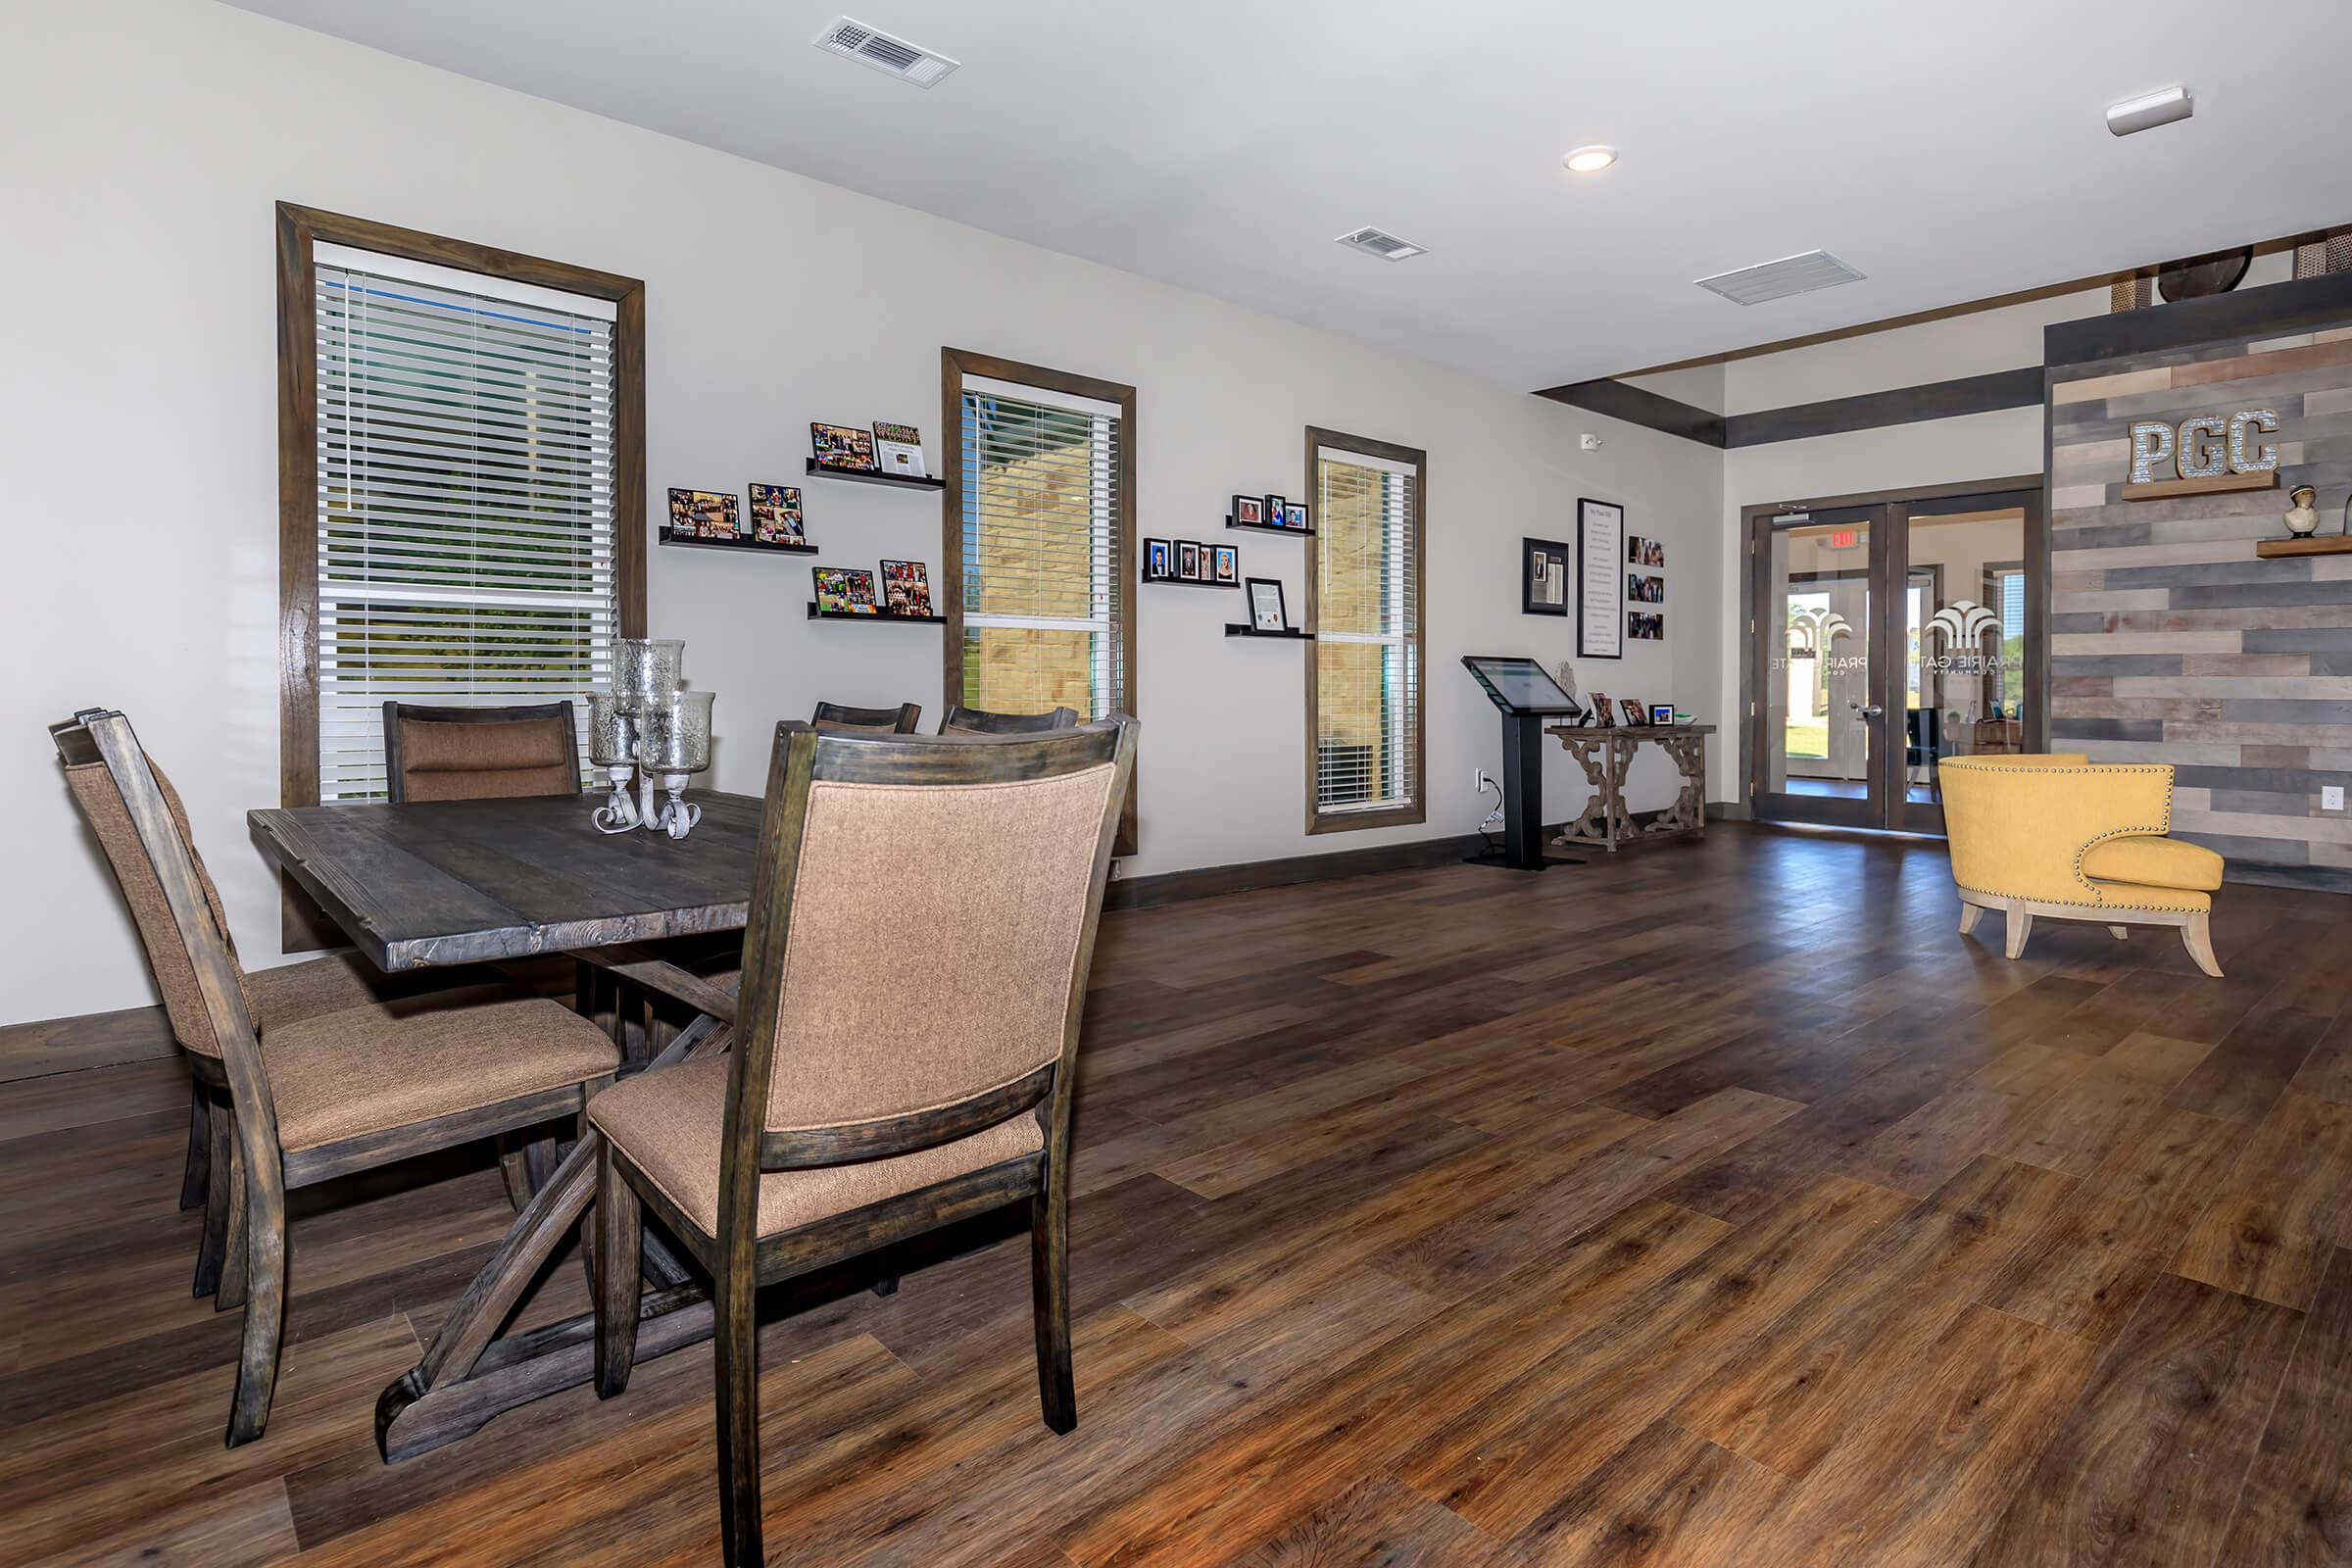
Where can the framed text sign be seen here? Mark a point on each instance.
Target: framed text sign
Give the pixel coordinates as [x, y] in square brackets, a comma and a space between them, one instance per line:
[1600, 589]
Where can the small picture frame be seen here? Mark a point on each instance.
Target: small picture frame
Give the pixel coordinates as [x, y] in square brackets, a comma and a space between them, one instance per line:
[1228, 564]
[1646, 625]
[1543, 578]
[1643, 589]
[1661, 714]
[1159, 561]
[776, 515]
[1641, 552]
[703, 514]
[1251, 511]
[1268, 613]
[1603, 715]
[906, 589]
[844, 590]
[1188, 562]
[1275, 512]
[1634, 715]
[898, 449]
[847, 448]
[1294, 516]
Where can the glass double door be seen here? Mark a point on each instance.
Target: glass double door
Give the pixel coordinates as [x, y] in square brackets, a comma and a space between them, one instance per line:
[1886, 636]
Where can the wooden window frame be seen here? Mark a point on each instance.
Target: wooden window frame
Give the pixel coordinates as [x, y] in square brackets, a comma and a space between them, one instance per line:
[300, 230]
[1417, 811]
[954, 365]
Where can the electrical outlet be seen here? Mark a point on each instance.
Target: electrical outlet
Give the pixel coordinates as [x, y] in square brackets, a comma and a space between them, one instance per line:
[2331, 796]
[1478, 781]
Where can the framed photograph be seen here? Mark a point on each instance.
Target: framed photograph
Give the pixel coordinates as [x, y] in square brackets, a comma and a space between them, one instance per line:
[1228, 566]
[1634, 715]
[1643, 589]
[1294, 515]
[1159, 561]
[1600, 596]
[1266, 610]
[906, 588]
[702, 513]
[1276, 517]
[1251, 509]
[845, 589]
[1661, 714]
[1188, 562]
[843, 446]
[1641, 552]
[776, 515]
[1543, 578]
[1603, 713]
[1645, 626]
[899, 449]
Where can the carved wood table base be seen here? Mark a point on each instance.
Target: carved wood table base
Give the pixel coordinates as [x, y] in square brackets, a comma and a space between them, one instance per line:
[1606, 757]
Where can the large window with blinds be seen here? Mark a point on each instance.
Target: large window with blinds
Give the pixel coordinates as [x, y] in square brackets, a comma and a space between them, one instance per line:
[1040, 539]
[1363, 684]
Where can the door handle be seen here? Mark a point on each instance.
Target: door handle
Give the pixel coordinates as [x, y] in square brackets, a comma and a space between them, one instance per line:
[1867, 710]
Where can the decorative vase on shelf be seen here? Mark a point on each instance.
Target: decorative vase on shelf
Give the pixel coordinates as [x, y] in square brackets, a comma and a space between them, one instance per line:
[2303, 516]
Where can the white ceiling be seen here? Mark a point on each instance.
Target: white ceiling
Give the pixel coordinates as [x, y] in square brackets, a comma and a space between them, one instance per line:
[1951, 152]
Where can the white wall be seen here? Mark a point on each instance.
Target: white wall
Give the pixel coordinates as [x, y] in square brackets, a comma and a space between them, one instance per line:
[142, 144]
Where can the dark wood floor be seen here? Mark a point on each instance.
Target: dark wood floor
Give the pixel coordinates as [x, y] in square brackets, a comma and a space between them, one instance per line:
[1719, 1205]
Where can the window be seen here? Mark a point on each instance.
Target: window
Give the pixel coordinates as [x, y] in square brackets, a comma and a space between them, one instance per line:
[462, 476]
[1040, 541]
[1363, 684]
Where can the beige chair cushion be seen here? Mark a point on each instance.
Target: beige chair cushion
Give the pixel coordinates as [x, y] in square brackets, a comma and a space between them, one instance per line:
[293, 991]
[488, 761]
[670, 1124]
[367, 1069]
[2154, 862]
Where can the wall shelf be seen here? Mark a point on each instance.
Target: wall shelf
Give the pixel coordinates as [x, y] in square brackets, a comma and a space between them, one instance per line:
[2335, 544]
[816, 614]
[771, 546]
[818, 471]
[1260, 527]
[1288, 634]
[1187, 582]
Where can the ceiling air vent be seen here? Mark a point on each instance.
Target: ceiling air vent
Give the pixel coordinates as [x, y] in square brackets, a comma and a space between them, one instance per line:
[1777, 280]
[1381, 243]
[870, 46]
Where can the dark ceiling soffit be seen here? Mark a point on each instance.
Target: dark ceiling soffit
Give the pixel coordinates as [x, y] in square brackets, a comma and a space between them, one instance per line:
[1870, 411]
[2275, 308]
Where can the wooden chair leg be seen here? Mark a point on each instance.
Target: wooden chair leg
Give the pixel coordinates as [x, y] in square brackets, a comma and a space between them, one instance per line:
[620, 1225]
[1969, 914]
[195, 1178]
[2197, 935]
[212, 1250]
[2121, 933]
[264, 1323]
[887, 1287]
[2020, 926]
[1050, 1294]
[235, 1249]
[736, 1330]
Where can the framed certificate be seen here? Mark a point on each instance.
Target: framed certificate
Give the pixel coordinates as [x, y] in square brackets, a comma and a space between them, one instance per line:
[1600, 589]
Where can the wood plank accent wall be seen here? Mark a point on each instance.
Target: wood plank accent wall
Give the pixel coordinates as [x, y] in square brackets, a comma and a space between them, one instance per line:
[2171, 642]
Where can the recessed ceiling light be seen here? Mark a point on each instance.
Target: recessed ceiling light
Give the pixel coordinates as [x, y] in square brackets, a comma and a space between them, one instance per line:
[1591, 160]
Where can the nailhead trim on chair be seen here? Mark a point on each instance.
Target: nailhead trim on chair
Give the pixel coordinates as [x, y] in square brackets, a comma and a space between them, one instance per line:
[2163, 829]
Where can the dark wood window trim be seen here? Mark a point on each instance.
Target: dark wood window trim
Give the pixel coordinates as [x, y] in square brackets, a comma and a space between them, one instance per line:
[1320, 822]
[299, 231]
[954, 365]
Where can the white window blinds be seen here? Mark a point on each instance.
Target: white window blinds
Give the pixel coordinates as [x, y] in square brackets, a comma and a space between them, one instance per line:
[1367, 654]
[1041, 575]
[465, 509]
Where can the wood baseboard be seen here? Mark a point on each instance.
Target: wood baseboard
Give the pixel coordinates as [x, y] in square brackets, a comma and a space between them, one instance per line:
[89, 1040]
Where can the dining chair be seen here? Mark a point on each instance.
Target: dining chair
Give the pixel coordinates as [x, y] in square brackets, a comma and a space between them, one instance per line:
[479, 753]
[903, 1052]
[962, 721]
[297, 1103]
[836, 718]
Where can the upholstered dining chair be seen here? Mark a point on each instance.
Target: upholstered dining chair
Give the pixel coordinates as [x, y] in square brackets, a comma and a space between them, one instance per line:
[962, 721]
[479, 753]
[903, 1052]
[836, 718]
[300, 1101]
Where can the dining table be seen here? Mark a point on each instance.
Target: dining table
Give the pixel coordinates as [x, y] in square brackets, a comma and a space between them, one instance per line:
[441, 884]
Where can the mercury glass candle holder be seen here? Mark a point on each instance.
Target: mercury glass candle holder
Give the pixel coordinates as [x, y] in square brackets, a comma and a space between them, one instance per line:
[645, 669]
[673, 739]
[612, 731]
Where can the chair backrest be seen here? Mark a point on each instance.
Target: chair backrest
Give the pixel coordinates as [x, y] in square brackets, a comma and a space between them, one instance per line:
[2018, 825]
[962, 721]
[922, 923]
[479, 753]
[838, 718]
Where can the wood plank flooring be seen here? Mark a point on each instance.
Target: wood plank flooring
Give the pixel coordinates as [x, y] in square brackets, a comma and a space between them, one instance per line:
[1718, 1205]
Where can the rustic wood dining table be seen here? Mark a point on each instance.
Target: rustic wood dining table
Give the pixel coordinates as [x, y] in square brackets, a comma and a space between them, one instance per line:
[467, 882]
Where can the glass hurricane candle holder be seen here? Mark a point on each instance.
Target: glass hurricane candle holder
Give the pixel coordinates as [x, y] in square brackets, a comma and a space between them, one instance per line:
[673, 739]
[645, 669]
[613, 747]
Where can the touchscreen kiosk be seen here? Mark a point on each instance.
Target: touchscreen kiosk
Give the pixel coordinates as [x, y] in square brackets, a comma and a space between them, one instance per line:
[1528, 696]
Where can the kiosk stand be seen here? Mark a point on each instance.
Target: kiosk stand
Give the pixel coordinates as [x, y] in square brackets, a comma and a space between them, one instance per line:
[1528, 698]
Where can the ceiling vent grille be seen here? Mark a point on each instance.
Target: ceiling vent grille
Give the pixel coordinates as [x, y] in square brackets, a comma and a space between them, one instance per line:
[1777, 280]
[870, 46]
[1381, 243]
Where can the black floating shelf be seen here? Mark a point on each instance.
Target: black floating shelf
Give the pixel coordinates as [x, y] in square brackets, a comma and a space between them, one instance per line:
[1287, 634]
[1261, 527]
[1185, 582]
[772, 546]
[818, 471]
[816, 614]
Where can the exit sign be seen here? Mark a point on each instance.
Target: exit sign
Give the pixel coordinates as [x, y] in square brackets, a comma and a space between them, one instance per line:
[1844, 538]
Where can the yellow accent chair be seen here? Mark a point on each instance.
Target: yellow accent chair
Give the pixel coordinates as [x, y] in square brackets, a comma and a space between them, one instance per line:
[2060, 836]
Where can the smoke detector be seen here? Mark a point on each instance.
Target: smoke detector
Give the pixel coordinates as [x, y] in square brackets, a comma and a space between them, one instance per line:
[871, 46]
[1381, 243]
[1777, 280]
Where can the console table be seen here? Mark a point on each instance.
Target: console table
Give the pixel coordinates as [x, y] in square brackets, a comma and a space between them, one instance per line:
[1607, 755]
